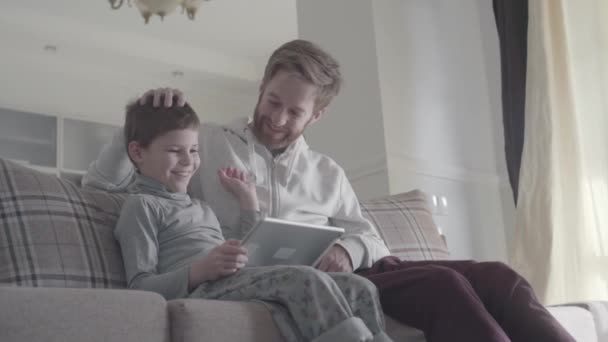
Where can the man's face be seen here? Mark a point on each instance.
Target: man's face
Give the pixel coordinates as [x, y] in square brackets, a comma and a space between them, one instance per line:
[171, 158]
[285, 108]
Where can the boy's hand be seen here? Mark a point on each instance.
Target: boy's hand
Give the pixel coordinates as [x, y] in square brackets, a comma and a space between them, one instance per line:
[222, 261]
[237, 183]
[167, 93]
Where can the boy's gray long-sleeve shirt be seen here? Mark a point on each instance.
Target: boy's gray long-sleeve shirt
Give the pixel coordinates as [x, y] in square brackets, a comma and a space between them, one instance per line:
[161, 233]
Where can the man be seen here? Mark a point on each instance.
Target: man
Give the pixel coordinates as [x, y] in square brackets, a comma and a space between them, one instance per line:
[448, 300]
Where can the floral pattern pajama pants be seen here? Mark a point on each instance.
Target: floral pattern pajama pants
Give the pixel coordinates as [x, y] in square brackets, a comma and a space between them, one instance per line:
[307, 304]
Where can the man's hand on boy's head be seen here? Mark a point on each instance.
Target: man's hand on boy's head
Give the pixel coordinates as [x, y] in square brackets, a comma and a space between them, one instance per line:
[166, 93]
[336, 260]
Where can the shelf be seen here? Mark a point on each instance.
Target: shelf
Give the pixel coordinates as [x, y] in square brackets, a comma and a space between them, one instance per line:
[52, 144]
[27, 140]
[73, 172]
[44, 169]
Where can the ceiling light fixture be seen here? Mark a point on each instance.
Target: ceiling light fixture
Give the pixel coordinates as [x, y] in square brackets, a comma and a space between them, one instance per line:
[161, 8]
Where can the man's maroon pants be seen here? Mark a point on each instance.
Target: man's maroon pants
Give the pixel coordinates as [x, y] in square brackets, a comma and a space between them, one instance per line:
[463, 301]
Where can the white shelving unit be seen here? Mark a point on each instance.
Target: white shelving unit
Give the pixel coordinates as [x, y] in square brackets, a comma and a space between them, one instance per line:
[64, 146]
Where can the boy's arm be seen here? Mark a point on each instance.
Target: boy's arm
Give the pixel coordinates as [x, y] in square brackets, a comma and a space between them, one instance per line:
[237, 183]
[361, 239]
[136, 232]
[113, 170]
[247, 220]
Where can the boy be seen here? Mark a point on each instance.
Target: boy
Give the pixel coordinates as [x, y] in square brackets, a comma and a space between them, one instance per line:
[174, 246]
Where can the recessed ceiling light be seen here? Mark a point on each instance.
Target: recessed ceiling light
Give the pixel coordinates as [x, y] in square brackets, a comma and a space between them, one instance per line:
[50, 48]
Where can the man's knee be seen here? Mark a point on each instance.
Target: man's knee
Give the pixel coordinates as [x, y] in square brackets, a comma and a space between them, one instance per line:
[495, 270]
[440, 286]
[445, 277]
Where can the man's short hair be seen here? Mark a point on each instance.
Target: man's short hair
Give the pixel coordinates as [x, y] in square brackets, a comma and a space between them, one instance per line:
[144, 123]
[311, 63]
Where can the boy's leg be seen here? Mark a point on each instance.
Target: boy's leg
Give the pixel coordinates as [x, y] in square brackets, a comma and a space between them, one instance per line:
[312, 299]
[362, 296]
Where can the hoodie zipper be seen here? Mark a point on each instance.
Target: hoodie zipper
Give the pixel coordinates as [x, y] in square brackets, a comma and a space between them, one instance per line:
[273, 190]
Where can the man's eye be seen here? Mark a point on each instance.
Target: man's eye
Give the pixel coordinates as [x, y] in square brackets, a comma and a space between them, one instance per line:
[193, 151]
[173, 151]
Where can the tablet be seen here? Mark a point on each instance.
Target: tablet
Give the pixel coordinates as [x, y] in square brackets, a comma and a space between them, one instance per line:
[278, 242]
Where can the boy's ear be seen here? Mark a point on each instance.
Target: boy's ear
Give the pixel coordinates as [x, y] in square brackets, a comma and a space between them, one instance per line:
[134, 150]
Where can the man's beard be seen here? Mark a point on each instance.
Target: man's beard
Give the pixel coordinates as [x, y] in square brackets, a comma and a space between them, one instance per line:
[259, 121]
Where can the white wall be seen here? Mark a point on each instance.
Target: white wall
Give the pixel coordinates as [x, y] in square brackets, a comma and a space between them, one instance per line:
[352, 131]
[111, 58]
[63, 84]
[437, 69]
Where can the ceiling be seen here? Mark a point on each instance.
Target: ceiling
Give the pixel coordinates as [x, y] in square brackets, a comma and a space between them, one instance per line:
[229, 39]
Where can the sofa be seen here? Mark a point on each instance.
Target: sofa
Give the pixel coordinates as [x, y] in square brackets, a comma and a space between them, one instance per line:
[62, 277]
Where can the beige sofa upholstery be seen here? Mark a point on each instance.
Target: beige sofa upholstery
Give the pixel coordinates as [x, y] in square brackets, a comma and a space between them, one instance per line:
[95, 315]
[62, 279]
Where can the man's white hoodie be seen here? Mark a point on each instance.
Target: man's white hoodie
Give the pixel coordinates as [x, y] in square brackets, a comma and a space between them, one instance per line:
[298, 185]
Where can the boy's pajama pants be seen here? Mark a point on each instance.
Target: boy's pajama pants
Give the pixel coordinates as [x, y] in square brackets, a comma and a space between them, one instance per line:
[307, 304]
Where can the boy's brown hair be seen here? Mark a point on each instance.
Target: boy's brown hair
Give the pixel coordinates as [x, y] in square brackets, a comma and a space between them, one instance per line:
[144, 123]
[311, 63]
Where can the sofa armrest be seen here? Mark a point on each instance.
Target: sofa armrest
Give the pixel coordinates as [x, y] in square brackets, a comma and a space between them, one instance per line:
[66, 315]
[597, 310]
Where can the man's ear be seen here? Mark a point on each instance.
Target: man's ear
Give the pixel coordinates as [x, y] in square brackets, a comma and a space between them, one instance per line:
[134, 150]
[317, 114]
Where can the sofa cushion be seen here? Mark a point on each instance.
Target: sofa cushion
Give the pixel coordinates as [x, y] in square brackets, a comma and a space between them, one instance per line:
[217, 320]
[93, 315]
[55, 234]
[406, 224]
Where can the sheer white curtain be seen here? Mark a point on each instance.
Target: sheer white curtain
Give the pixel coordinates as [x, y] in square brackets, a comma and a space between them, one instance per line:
[561, 240]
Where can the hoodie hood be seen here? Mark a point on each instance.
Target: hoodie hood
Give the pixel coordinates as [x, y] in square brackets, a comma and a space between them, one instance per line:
[240, 127]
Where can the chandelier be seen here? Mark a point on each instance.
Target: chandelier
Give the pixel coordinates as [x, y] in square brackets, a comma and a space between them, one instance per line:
[161, 8]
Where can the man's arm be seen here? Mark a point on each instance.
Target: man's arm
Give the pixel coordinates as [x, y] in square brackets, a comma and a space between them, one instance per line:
[361, 241]
[113, 170]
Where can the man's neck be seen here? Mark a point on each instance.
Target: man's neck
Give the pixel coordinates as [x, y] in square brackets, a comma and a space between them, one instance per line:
[276, 152]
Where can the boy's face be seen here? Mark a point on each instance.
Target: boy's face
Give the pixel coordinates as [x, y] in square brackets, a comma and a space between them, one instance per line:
[171, 158]
[285, 108]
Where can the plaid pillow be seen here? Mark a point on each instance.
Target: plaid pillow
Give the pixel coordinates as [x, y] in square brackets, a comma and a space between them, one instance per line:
[405, 223]
[55, 234]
